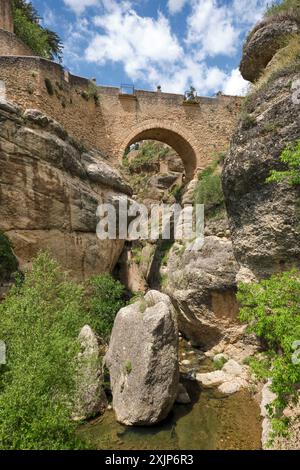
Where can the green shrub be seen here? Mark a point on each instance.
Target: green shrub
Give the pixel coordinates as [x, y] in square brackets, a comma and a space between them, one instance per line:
[219, 363]
[209, 188]
[272, 310]
[8, 262]
[291, 157]
[42, 41]
[148, 157]
[40, 321]
[105, 299]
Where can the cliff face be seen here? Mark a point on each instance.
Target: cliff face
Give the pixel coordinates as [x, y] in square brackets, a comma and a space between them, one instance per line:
[49, 192]
[264, 218]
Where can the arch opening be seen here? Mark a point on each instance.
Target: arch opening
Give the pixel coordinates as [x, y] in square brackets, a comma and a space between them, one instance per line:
[174, 140]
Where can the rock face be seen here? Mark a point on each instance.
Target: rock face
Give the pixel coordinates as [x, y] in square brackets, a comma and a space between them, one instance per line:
[143, 361]
[264, 218]
[90, 397]
[263, 43]
[202, 287]
[50, 188]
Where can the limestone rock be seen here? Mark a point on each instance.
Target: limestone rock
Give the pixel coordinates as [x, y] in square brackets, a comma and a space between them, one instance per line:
[202, 287]
[48, 198]
[263, 43]
[267, 398]
[90, 398]
[143, 360]
[232, 368]
[263, 217]
[232, 386]
[212, 379]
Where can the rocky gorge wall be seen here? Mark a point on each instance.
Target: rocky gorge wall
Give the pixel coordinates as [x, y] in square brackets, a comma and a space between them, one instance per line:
[50, 188]
[264, 218]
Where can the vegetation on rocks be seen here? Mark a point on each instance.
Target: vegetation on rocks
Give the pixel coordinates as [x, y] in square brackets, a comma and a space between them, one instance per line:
[291, 158]
[27, 27]
[8, 261]
[148, 156]
[209, 189]
[271, 308]
[286, 7]
[40, 321]
[105, 299]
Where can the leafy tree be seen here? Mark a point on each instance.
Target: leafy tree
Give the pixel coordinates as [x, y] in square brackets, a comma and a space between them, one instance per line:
[40, 321]
[105, 299]
[272, 310]
[291, 157]
[42, 41]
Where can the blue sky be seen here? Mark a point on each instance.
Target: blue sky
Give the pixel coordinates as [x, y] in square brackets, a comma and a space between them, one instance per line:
[172, 43]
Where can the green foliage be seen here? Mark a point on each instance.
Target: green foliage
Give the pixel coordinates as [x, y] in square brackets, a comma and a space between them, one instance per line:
[105, 299]
[128, 367]
[281, 7]
[261, 368]
[42, 41]
[148, 157]
[93, 92]
[209, 188]
[40, 321]
[291, 157]
[219, 363]
[272, 310]
[8, 261]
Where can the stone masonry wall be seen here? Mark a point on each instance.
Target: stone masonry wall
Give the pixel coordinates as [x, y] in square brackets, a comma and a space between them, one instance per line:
[10, 44]
[199, 131]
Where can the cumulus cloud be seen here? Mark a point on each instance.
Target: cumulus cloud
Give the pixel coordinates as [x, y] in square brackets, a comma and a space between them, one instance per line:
[149, 51]
[175, 6]
[211, 27]
[235, 84]
[139, 43]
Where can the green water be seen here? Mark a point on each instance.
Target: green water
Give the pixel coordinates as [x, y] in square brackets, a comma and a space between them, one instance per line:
[210, 422]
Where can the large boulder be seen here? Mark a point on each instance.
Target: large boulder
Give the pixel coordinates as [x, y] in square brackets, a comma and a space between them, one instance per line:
[143, 361]
[202, 287]
[263, 43]
[90, 398]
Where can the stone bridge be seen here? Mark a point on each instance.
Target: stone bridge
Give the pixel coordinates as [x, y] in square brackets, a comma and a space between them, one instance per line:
[105, 117]
[112, 121]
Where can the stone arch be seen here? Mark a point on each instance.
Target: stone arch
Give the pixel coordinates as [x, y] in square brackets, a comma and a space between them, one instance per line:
[168, 133]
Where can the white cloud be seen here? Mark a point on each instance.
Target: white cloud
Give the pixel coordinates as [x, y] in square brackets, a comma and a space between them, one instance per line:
[80, 5]
[211, 27]
[139, 43]
[175, 6]
[148, 50]
[235, 84]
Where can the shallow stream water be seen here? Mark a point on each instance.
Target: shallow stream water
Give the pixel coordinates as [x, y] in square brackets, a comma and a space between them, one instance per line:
[210, 422]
